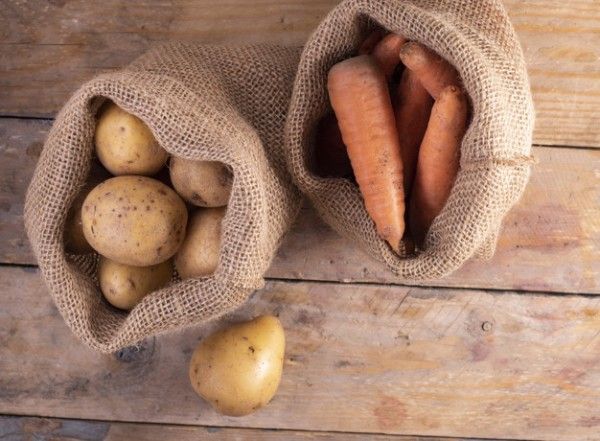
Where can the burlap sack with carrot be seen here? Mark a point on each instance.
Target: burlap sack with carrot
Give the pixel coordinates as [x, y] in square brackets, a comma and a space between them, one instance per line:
[208, 103]
[479, 41]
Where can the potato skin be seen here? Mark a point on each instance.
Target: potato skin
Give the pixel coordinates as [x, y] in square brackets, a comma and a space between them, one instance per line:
[238, 370]
[200, 251]
[125, 145]
[124, 285]
[134, 220]
[201, 183]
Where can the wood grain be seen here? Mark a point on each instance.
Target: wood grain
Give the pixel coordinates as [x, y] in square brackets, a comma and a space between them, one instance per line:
[14, 428]
[49, 48]
[376, 359]
[551, 240]
[561, 41]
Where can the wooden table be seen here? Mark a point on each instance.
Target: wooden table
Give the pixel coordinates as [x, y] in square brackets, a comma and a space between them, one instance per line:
[502, 349]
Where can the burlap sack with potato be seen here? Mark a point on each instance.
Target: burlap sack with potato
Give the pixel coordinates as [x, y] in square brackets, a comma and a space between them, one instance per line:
[213, 103]
[478, 39]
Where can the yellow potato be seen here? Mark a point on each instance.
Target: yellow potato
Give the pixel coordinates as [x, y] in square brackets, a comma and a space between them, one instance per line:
[238, 370]
[125, 145]
[124, 286]
[199, 253]
[202, 183]
[134, 220]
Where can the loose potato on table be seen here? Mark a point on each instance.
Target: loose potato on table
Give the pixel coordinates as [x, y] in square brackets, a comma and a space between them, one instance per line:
[202, 183]
[125, 145]
[238, 370]
[199, 253]
[134, 220]
[124, 285]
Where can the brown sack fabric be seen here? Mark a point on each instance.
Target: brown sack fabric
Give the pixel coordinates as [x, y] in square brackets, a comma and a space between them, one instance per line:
[478, 39]
[213, 103]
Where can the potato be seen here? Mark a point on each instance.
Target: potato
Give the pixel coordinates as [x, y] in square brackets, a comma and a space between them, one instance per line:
[134, 220]
[202, 183]
[238, 370]
[124, 285]
[199, 253]
[125, 145]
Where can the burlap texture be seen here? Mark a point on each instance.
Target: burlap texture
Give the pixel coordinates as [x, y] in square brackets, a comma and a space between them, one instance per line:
[478, 39]
[213, 103]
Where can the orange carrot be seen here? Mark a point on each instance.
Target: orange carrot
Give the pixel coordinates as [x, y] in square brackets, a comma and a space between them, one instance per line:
[359, 95]
[438, 160]
[331, 157]
[371, 41]
[386, 53]
[433, 71]
[413, 107]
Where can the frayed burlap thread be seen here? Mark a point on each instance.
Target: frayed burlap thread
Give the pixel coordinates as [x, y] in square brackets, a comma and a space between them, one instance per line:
[478, 39]
[213, 103]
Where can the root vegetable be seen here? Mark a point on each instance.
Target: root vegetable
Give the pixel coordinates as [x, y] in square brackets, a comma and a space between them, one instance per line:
[360, 97]
[438, 162]
[134, 220]
[433, 71]
[202, 183]
[199, 254]
[413, 107]
[125, 145]
[386, 53]
[124, 286]
[238, 369]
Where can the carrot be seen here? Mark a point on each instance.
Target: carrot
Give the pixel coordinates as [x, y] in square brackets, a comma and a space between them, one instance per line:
[360, 98]
[374, 37]
[386, 53]
[433, 71]
[413, 107]
[438, 160]
[331, 157]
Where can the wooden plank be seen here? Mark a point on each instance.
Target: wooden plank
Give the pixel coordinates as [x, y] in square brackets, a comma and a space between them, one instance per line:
[561, 42]
[21, 143]
[359, 358]
[14, 428]
[551, 241]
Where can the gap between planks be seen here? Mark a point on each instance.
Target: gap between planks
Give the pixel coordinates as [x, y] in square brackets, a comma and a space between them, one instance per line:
[41, 427]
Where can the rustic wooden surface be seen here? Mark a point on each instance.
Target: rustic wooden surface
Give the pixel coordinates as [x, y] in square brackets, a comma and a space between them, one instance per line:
[551, 240]
[463, 359]
[398, 360]
[561, 41]
[57, 429]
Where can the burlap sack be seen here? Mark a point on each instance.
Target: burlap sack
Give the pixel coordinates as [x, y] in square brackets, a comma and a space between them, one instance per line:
[477, 38]
[204, 103]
